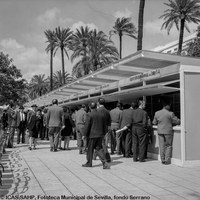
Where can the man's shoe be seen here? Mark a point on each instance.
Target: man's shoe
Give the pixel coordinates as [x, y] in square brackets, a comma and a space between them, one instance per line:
[127, 156]
[142, 160]
[167, 163]
[135, 160]
[51, 149]
[86, 165]
[106, 166]
[34, 148]
[163, 162]
[30, 148]
[55, 150]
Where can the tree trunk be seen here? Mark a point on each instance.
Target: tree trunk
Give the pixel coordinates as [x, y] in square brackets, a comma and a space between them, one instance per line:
[120, 45]
[63, 65]
[181, 36]
[140, 25]
[51, 70]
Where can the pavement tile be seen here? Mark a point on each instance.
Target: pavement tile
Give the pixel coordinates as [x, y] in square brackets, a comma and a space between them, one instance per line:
[161, 182]
[153, 189]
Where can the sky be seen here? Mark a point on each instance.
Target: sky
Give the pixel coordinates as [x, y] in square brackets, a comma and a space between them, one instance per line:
[23, 22]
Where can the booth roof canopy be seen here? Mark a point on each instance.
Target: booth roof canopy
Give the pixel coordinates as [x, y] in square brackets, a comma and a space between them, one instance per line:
[133, 65]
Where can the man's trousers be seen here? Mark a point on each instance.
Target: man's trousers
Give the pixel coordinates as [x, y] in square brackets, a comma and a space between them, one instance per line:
[138, 142]
[95, 143]
[54, 134]
[165, 145]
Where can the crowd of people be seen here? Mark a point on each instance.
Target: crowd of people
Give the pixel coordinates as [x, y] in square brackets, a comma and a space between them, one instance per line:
[126, 129]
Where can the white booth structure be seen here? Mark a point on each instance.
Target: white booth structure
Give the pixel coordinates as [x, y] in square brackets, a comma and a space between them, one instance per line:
[152, 75]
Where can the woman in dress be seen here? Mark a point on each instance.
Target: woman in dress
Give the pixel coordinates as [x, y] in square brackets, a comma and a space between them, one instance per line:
[67, 131]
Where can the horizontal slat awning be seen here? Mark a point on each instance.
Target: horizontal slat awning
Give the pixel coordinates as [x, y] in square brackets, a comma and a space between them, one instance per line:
[133, 93]
[134, 69]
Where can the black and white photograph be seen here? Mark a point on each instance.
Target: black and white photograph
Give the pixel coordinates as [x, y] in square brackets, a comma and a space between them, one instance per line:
[99, 99]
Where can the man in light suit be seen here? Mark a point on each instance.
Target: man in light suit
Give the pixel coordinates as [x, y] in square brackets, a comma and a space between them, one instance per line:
[31, 125]
[95, 129]
[115, 115]
[55, 121]
[165, 119]
[80, 119]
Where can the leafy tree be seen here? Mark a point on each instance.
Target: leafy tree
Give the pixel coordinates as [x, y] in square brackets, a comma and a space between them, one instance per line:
[58, 79]
[140, 25]
[123, 26]
[194, 46]
[50, 35]
[38, 86]
[181, 12]
[12, 85]
[62, 42]
[100, 52]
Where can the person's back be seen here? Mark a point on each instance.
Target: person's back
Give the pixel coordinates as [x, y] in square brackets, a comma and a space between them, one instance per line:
[80, 116]
[139, 117]
[165, 120]
[97, 124]
[54, 116]
[115, 115]
[126, 118]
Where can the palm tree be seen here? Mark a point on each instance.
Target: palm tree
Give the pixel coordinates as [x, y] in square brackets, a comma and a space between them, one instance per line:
[123, 26]
[100, 52]
[50, 35]
[181, 12]
[58, 79]
[79, 44]
[63, 38]
[38, 85]
[140, 25]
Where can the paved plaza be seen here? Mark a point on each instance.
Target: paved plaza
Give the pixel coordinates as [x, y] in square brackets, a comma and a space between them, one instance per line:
[41, 174]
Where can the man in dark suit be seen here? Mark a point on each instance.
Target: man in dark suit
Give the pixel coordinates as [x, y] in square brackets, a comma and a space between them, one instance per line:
[126, 137]
[106, 113]
[22, 125]
[95, 129]
[165, 119]
[55, 121]
[139, 125]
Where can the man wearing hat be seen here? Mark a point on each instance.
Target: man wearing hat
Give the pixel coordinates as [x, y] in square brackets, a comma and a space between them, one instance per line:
[22, 125]
[31, 123]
